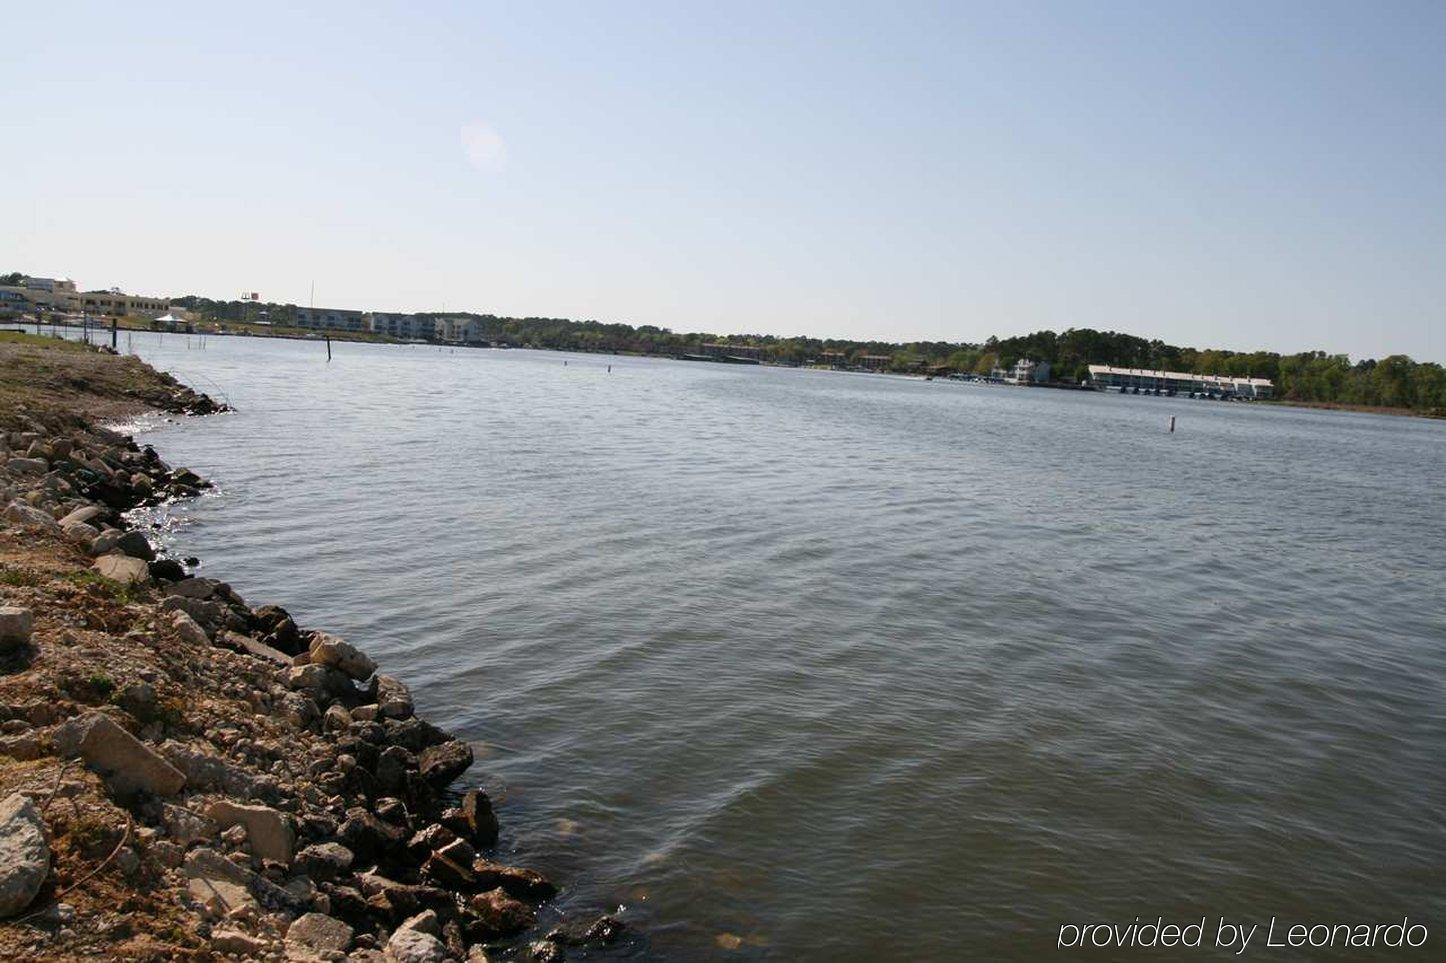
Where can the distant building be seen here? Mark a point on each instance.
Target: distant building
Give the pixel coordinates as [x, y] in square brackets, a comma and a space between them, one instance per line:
[874, 362]
[13, 301]
[732, 352]
[407, 327]
[330, 319]
[60, 295]
[460, 330]
[177, 319]
[54, 294]
[114, 304]
[1138, 379]
[1024, 372]
[834, 359]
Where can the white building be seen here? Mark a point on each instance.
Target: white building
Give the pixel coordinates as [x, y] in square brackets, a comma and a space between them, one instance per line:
[1024, 372]
[1178, 382]
[460, 330]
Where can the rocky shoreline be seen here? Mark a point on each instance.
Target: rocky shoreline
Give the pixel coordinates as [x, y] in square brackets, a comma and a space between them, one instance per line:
[186, 776]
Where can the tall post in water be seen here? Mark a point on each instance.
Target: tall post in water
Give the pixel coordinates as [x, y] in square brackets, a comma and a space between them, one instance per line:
[113, 333]
[328, 347]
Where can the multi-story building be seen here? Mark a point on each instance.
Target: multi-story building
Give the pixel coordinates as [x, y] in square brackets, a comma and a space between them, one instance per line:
[60, 295]
[1024, 372]
[54, 294]
[1173, 382]
[114, 304]
[460, 330]
[329, 319]
[408, 327]
[13, 301]
[736, 353]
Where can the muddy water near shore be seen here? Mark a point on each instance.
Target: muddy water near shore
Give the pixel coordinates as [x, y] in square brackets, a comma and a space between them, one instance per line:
[806, 666]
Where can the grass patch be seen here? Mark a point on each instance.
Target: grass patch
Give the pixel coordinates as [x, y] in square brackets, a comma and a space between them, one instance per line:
[42, 341]
[97, 584]
[101, 684]
[20, 577]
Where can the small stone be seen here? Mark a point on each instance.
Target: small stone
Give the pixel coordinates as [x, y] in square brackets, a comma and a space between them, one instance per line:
[424, 922]
[334, 651]
[324, 862]
[336, 719]
[427, 841]
[602, 931]
[128, 861]
[439, 765]
[134, 544]
[189, 629]
[393, 766]
[167, 568]
[414, 946]
[237, 943]
[474, 820]
[267, 830]
[193, 588]
[544, 951]
[320, 679]
[320, 933]
[514, 880]
[16, 626]
[498, 915]
[24, 747]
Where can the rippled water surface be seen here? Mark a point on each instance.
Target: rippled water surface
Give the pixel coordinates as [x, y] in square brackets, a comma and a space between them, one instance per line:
[800, 665]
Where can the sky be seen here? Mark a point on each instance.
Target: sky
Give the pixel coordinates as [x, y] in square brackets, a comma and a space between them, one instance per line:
[1238, 175]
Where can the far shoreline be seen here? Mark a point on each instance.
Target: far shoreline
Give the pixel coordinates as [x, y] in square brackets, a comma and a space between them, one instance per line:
[370, 338]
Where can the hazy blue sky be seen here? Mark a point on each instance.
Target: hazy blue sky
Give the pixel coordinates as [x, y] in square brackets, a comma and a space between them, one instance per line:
[1261, 174]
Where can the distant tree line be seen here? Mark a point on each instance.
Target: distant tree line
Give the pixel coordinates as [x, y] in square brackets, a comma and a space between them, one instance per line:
[1394, 381]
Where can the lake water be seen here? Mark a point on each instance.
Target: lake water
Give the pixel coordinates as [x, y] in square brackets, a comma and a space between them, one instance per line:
[800, 665]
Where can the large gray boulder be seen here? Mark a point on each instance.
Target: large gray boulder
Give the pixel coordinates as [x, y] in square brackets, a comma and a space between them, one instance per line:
[28, 516]
[24, 854]
[123, 569]
[128, 764]
[81, 533]
[187, 628]
[27, 466]
[267, 831]
[83, 515]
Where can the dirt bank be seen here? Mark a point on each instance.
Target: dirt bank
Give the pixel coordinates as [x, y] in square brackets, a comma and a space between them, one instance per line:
[186, 776]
